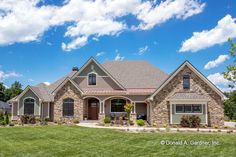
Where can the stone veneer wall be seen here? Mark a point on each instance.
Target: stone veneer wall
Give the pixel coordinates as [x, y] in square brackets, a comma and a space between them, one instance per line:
[161, 111]
[68, 91]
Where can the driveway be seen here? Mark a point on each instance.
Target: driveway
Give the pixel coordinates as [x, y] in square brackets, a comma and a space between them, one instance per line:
[230, 124]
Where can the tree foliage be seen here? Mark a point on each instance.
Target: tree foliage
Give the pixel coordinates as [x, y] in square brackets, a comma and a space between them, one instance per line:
[230, 74]
[7, 94]
[230, 106]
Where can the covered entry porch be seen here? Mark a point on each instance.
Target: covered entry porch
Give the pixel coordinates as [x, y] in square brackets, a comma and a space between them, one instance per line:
[97, 108]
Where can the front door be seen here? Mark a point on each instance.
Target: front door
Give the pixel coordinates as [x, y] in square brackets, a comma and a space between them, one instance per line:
[93, 109]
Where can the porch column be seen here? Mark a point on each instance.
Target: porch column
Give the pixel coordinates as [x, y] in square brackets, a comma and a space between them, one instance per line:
[103, 107]
[134, 108]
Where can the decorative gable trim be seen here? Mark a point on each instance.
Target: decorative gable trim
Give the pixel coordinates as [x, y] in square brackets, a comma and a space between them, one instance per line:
[199, 74]
[26, 90]
[101, 67]
[63, 83]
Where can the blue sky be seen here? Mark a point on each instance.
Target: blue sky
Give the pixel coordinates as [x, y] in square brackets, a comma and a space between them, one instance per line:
[32, 51]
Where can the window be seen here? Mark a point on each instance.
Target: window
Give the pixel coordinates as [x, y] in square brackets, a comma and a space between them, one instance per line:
[186, 82]
[68, 107]
[117, 105]
[188, 108]
[179, 108]
[29, 106]
[92, 79]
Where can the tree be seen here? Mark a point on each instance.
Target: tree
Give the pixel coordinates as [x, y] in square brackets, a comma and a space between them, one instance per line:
[14, 90]
[2, 92]
[230, 106]
[230, 74]
[128, 108]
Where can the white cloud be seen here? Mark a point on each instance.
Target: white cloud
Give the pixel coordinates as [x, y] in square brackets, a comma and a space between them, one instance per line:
[225, 28]
[47, 83]
[31, 80]
[218, 79]
[142, 50]
[85, 19]
[119, 57]
[217, 62]
[152, 15]
[6, 75]
[77, 43]
[100, 54]
[222, 83]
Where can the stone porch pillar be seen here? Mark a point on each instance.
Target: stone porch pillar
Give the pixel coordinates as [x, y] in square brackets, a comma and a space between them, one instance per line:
[133, 116]
[101, 111]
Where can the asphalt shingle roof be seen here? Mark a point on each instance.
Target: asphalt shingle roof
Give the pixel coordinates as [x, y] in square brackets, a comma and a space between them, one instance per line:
[135, 74]
[4, 105]
[130, 74]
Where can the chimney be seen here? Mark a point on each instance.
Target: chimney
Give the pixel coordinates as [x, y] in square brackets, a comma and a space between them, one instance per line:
[75, 69]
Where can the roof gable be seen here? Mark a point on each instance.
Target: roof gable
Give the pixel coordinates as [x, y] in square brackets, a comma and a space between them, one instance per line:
[199, 74]
[93, 66]
[67, 79]
[33, 90]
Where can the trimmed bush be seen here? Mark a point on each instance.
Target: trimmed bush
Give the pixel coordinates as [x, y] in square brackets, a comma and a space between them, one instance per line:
[1, 116]
[185, 121]
[32, 119]
[107, 120]
[192, 121]
[140, 122]
[24, 119]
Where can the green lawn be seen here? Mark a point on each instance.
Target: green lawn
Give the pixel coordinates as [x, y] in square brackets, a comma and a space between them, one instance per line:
[76, 141]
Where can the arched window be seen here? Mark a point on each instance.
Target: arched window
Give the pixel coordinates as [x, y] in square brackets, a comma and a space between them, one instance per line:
[29, 106]
[68, 107]
[92, 79]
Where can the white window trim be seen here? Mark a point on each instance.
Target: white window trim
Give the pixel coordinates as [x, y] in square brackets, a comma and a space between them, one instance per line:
[88, 79]
[24, 104]
[192, 113]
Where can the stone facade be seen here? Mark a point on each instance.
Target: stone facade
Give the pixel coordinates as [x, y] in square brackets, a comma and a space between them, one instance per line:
[160, 107]
[68, 91]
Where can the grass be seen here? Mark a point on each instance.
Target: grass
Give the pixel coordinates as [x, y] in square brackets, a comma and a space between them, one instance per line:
[77, 141]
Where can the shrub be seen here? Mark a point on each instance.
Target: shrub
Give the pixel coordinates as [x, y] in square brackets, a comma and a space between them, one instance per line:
[216, 126]
[140, 122]
[3, 123]
[107, 120]
[47, 119]
[44, 121]
[1, 116]
[7, 119]
[194, 121]
[225, 126]
[185, 121]
[76, 120]
[11, 124]
[24, 119]
[32, 119]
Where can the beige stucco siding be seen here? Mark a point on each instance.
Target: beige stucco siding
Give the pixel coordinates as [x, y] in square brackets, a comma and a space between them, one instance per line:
[92, 67]
[45, 110]
[102, 83]
[30, 94]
